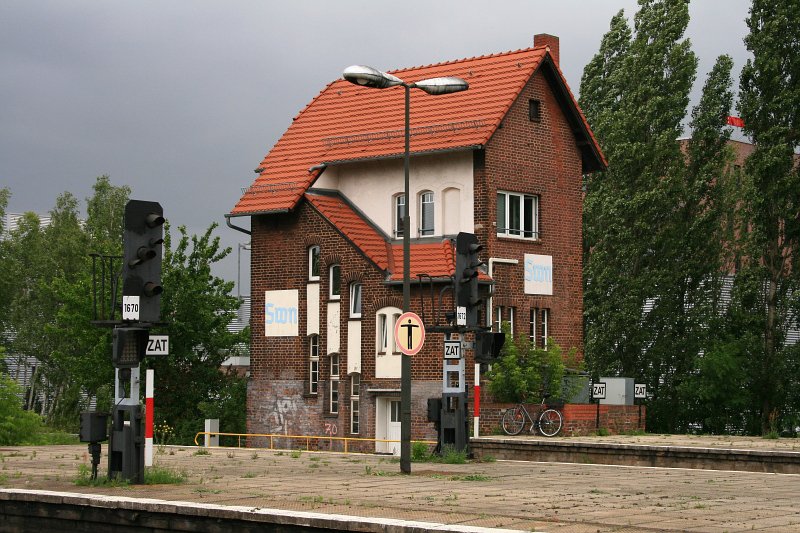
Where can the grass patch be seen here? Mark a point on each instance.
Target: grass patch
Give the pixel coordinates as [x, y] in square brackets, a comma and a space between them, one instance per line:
[157, 475]
[201, 451]
[295, 454]
[84, 479]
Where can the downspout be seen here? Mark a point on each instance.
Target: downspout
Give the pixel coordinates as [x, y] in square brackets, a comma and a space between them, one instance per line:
[476, 419]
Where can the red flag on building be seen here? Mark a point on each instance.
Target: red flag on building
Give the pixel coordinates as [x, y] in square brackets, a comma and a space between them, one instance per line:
[736, 121]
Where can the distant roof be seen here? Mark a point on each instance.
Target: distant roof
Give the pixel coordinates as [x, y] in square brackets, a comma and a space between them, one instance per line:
[347, 123]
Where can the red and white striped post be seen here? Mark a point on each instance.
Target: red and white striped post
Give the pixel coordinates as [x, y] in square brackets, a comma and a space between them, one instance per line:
[476, 415]
[148, 418]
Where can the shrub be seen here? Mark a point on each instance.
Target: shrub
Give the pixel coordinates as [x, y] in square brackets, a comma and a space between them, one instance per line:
[17, 426]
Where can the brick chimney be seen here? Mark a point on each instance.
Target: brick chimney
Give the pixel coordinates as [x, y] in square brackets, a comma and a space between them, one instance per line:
[544, 39]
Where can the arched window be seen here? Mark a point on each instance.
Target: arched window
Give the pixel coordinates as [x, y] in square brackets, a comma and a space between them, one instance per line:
[426, 213]
[335, 281]
[385, 320]
[313, 263]
[399, 209]
[355, 300]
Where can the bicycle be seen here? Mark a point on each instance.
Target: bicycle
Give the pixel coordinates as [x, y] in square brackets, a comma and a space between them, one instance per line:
[549, 422]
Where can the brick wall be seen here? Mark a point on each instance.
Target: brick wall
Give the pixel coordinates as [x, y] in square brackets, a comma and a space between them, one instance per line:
[537, 158]
[579, 419]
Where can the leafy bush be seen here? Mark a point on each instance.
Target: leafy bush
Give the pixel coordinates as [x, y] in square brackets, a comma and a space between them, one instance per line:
[524, 372]
[17, 426]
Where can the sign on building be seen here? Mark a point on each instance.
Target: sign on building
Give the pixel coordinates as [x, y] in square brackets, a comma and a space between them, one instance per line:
[538, 274]
[281, 313]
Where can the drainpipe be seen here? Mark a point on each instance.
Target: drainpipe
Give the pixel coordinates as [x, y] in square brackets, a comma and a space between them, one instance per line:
[237, 228]
[477, 385]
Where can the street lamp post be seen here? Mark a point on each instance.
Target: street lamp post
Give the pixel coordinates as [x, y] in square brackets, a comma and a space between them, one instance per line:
[369, 77]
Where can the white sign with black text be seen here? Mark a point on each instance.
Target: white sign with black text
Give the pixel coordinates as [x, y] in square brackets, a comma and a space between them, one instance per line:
[130, 308]
[158, 345]
[599, 390]
[461, 316]
[639, 390]
[452, 349]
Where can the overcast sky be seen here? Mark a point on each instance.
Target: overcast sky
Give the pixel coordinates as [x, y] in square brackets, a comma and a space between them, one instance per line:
[181, 99]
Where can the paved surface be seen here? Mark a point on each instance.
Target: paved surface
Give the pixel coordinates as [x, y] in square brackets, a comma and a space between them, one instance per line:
[563, 498]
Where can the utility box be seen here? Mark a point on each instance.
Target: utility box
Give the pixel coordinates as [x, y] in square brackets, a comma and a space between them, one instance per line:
[94, 426]
[619, 391]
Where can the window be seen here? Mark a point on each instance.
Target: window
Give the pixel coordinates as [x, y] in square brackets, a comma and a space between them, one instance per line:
[313, 263]
[517, 215]
[426, 213]
[335, 280]
[355, 387]
[399, 214]
[545, 326]
[334, 384]
[534, 110]
[533, 328]
[313, 364]
[384, 336]
[355, 300]
[499, 318]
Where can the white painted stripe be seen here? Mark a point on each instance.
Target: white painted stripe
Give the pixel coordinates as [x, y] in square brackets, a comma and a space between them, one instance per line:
[148, 387]
[148, 451]
[475, 426]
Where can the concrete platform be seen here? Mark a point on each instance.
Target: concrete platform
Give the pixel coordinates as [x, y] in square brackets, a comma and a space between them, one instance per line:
[372, 495]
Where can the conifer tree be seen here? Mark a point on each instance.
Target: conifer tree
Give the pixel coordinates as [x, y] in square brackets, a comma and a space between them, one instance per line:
[767, 286]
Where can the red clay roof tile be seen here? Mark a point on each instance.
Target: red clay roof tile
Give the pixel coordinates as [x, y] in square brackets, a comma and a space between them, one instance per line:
[345, 122]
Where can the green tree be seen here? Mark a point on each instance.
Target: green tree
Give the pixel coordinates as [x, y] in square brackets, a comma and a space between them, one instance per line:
[16, 424]
[637, 93]
[769, 103]
[198, 307]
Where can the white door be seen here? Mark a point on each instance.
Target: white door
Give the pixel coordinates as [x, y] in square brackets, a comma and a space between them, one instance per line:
[387, 425]
[393, 427]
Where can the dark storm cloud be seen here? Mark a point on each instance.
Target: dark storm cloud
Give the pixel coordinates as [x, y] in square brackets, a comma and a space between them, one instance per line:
[181, 99]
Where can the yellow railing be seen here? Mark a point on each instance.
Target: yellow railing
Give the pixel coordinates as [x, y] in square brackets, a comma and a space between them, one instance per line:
[308, 439]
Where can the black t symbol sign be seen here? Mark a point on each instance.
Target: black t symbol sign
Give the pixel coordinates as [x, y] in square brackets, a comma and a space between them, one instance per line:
[410, 330]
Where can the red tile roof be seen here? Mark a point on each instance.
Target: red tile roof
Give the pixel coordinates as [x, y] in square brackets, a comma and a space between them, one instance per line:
[346, 122]
[436, 259]
[354, 227]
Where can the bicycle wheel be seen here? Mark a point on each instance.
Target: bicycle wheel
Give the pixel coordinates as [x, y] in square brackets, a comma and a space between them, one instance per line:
[550, 423]
[514, 420]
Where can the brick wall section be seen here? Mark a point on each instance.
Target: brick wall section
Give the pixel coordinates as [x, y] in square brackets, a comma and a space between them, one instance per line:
[278, 401]
[579, 419]
[538, 158]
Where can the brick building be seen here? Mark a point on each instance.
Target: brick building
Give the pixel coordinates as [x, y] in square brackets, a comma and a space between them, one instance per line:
[503, 160]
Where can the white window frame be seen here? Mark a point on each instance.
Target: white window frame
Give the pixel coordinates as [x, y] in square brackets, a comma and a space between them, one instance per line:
[545, 327]
[333, 387]
[338, 277]
[525, 231]
[533, 326]
[355, 299]
[355, 414]
[312, 262]
[385, 319]
[313, 364]
[427, 224]
[398, 210]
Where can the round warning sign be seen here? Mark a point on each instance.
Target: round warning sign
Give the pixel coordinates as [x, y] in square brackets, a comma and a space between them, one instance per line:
[409, 333]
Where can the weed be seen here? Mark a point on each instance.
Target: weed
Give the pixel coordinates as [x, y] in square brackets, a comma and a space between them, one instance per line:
[3, 479]
[452, 456]
[230, 455]
[84, 479]
[420, 452]
[254, 456]
[201, 451]
[250, 475]
[470, 477]
[772, 435]
[295, 454]
[602, 432]
[158, 475]
[203, 490]
[313, 458]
